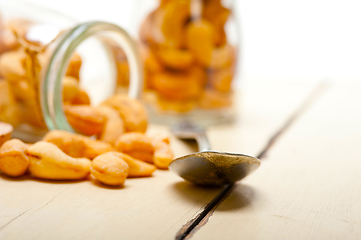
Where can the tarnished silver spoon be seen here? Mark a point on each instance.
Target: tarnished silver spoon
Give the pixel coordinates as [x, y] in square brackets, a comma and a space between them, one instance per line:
[208, 167]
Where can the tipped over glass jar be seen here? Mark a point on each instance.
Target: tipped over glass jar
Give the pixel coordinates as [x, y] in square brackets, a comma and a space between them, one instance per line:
[48, 61]
[189, 52]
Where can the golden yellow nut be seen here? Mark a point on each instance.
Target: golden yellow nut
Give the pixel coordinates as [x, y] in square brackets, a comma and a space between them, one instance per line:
[81, 98]
[149, 149]
[211, 7]
[163, 155]
[7, 41]
[222, 57]
[122, 73]
[113, 126]
[13, 161]
[177, 85]
[85, 119]
[70, 88]
[165, 104]
[10, 111]
[176, 14]
[121, 63]
[200, 41]
[220, 37]
[151, 63]
[161, 137]
[47, 161]
[76, 145]
[142, 155]
[74, 66]
[134, 141]
[175, 58]
[12, 65]
[31, 113]
[166, 24]
[21, 90]
[72, 93]
[198, 75]
[110, 169]
[212, 99]
[137, 145]
[148, 80]
[12, 114]
[5, 95]
[221, 80]
[131, 111]
[163, 3]
[137, 168]
[217, 15]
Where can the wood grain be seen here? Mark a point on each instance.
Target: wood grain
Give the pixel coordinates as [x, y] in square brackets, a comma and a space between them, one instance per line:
[149, 208]
[309, 186]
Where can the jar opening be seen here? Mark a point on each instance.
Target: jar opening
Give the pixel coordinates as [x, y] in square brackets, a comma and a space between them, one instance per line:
[51, 87]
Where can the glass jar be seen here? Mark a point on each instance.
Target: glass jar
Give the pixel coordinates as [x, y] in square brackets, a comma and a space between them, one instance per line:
[47, 60]
[189, 52]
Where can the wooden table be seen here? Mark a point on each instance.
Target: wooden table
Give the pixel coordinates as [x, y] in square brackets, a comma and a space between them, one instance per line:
[308, 185]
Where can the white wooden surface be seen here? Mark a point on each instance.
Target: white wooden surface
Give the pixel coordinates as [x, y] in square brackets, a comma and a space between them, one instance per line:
[266, 105]
[149, 208]
[309, 187]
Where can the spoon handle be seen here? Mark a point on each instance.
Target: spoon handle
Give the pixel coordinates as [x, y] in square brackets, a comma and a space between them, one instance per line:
[202, 139]
[190, 130]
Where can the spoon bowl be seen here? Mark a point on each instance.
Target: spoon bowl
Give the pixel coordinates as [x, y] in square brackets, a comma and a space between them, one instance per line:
[207, 167]
[214, 168]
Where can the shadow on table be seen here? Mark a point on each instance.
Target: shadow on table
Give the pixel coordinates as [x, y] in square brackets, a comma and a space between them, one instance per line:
[240, 196]
[89, 178]
[97, 183]
[27, 177]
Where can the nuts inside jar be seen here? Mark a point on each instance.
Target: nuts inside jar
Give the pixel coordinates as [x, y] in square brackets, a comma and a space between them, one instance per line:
[175, 39]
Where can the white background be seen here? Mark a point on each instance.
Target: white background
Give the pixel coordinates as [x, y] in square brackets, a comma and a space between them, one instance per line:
[298, 39]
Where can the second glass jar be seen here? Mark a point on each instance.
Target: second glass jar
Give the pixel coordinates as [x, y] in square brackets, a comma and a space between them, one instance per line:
[189, 51]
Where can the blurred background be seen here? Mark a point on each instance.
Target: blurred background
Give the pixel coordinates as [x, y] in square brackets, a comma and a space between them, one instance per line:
[304, 40]
[188, 51]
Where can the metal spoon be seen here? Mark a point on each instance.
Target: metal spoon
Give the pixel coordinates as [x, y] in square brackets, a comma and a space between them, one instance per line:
[208, 167]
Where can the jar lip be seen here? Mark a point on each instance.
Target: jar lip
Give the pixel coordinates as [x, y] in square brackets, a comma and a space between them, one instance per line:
[51, 86]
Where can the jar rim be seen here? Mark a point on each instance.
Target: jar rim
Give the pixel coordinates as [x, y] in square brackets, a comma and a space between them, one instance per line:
[51, 85]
